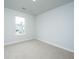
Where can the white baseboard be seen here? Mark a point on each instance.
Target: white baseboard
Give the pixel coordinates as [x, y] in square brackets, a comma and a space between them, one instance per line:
[57, 45]
[14, 42]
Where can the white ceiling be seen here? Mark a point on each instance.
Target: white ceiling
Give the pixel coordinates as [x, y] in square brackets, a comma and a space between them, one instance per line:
[34, 8]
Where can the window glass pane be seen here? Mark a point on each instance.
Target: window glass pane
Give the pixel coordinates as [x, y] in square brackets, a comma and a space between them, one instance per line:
[20, 22]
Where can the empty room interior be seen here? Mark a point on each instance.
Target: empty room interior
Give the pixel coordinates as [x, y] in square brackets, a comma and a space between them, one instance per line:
[39, 29]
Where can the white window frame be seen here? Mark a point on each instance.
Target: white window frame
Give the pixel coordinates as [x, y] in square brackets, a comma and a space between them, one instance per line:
[16, 21]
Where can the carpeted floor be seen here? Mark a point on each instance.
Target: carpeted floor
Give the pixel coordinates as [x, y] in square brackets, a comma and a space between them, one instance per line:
[35, 49]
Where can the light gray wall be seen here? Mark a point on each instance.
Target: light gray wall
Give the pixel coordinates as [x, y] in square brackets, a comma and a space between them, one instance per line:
[57, 26]
[10, 34]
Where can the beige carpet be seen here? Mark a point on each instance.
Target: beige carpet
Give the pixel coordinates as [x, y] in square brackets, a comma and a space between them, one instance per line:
[35, 49]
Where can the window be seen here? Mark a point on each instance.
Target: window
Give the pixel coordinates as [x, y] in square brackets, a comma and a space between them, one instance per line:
[20, 25]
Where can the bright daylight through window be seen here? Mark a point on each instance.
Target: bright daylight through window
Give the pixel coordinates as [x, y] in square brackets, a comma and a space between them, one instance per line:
[20, 25]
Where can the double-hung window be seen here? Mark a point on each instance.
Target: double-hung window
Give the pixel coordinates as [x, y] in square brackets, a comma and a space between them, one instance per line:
[20, 25]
